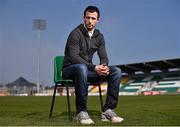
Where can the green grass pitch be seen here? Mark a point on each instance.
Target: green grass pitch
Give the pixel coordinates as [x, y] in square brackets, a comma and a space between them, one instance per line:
[161, 110]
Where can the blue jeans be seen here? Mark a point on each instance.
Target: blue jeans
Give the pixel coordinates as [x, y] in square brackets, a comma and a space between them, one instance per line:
[80, 74]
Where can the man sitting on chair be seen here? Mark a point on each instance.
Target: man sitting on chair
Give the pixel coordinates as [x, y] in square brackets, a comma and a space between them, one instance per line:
[81, 45]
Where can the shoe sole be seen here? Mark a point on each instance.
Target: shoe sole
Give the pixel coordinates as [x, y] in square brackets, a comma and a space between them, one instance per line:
[107, 120]
[84, 123]
[118, 121]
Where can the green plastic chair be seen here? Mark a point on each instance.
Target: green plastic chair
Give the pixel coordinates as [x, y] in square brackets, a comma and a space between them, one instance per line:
[60, 82]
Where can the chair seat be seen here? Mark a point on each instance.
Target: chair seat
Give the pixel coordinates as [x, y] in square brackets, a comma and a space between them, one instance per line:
[70, 82]
[65, 81]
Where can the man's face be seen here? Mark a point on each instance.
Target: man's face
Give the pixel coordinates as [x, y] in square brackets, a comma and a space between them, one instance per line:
[90, 20]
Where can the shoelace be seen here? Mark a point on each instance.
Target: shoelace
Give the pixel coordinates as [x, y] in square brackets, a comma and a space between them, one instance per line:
[110, 114]
[83, 116]
[113, 113]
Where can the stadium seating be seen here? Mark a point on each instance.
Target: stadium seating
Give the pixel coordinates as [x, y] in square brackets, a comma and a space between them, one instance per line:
[135, 86]
[168, 84]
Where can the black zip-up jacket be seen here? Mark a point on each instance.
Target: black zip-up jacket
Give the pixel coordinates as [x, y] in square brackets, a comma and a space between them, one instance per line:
[80, 48]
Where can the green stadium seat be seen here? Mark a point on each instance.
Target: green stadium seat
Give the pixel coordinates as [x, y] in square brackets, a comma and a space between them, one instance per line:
[156, 78]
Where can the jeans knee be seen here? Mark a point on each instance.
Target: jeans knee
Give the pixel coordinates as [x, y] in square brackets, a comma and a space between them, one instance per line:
[81, 69]
[115, 71]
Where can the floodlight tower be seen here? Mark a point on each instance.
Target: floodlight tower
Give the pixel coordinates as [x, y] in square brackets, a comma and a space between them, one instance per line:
[39, 25]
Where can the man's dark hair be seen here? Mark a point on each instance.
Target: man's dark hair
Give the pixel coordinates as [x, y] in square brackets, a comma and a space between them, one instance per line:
[92, 9]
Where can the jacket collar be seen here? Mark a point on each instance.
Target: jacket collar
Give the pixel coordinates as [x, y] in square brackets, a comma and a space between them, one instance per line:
[85, 32]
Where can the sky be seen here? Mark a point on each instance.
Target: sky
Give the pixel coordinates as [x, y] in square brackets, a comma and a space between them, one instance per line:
[134, 30]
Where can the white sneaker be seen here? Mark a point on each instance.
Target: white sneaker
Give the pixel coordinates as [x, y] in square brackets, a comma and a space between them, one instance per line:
[83, 118]
[110, 115]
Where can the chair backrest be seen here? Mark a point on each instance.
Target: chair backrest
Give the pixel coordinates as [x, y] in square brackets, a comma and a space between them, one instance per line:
[58, 64]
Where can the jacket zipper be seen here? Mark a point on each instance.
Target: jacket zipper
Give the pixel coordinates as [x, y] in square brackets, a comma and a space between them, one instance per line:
[89, 46]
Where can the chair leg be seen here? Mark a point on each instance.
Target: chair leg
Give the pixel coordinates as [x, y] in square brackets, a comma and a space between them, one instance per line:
[53, 99]
[68, 102]
[100, 96]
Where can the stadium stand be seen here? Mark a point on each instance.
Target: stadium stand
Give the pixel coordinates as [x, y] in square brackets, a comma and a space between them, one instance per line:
[156, 77]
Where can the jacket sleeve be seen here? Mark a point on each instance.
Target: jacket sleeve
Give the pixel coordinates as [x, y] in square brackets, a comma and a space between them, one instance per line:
[74, 49]
[102, 51]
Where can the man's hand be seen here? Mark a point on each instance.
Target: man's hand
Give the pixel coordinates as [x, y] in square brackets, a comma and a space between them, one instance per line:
[102, 69]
